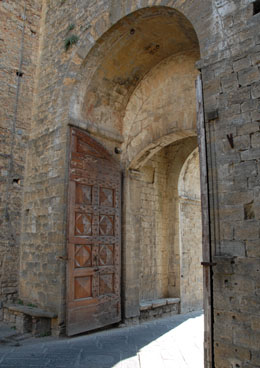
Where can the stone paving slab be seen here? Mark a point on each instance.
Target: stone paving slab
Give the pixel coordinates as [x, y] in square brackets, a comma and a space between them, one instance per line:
[172, 342]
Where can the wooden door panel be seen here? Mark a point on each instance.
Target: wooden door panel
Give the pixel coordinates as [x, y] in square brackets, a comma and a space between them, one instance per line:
[93, 236]
[94, 316]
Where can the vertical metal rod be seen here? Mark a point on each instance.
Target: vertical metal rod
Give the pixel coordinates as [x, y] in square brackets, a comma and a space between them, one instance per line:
[206, 231]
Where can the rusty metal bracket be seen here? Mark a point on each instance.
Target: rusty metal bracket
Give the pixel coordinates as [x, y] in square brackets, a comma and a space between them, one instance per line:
[62, 258]
[208, 264]
[230, 140]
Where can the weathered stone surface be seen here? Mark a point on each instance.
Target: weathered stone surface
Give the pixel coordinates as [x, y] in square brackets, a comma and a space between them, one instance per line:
[31, 311]
[130, 81]
[19, 29]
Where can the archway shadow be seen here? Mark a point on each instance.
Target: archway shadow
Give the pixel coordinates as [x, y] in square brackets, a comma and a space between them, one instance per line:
[107, 348]
[111, 348]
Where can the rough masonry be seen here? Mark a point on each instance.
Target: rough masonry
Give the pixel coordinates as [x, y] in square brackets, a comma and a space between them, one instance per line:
[124, 73]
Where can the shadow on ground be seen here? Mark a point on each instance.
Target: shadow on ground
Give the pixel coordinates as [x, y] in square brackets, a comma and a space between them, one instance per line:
[119, 347]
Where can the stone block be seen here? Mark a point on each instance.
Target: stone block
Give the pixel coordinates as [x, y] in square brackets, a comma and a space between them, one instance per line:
[158, 303]
[234, 213]
[249, 105]
[145, 305]
[232, 248]
[255, 91]
[234, 198]
[255, 323]
[255, 140]
[247, 267]
[226, 350]
[223, 331]
[229, 82]
[246, 338]
[242, 143]
[255, 58]
[41, 326]
[246, 230]
[171, 301]
[251, 154]
[252, 248]
[255, 357]
[241, 64]
[23, 323]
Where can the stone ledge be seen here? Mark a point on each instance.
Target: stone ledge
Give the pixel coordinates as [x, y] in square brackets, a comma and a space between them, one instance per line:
[30, 319]
[151, 309]
[157, 303]
[31, 311]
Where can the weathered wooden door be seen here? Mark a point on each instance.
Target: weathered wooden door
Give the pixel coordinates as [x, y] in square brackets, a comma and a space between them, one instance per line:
[93, 295]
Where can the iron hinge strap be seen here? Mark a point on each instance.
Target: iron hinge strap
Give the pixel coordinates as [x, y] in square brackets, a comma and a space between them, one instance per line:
[208, 264]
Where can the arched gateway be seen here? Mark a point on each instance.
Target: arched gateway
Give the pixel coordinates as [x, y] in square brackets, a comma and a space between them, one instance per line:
[120, 75]
[131, 105]
[137, 93]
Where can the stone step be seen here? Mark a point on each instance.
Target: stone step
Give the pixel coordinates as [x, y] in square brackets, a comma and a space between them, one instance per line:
[150, 309]
[156, 303]
[30, 319]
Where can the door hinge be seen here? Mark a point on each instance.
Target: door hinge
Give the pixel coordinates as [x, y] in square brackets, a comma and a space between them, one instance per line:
[208, 264]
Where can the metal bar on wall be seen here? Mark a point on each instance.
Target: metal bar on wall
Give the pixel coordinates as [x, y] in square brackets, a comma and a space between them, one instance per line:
[206, 249]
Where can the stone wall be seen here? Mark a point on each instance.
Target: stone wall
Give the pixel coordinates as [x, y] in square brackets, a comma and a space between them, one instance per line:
[151, 248]
[170, 233]
[154, 227]
[231, 85]
[19, 36]
[160, 110]
[191, 286]
[90, 85]
[177, 154]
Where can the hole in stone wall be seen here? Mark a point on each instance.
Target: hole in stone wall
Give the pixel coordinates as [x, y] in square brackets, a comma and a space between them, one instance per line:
[256, 7]
[19, 74]
[118, 150]
[249, 213]
[16, 181]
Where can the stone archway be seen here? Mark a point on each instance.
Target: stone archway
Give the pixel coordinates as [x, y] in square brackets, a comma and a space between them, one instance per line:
[117, 49]
[160, 133]
[158, 210]
[136, 92]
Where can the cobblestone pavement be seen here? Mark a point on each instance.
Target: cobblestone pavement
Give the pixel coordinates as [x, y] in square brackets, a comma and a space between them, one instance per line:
[172, 342]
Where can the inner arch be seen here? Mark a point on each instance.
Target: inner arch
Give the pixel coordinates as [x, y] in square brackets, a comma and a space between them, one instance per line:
[154, 51]
[124, 55]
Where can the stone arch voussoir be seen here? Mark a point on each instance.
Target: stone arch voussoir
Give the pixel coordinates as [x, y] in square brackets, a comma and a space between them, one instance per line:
[74, 81]
[140, 154]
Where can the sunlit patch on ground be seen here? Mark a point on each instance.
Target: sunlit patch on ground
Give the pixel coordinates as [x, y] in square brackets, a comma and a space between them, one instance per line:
[171, 342]
[180, 347]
